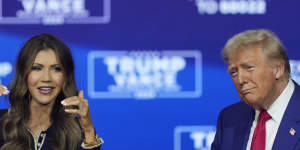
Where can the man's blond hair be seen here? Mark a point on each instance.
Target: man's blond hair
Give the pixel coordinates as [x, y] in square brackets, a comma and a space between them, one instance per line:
[261, 38]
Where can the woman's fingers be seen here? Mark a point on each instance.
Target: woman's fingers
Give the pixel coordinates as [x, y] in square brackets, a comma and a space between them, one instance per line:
[76, 105]
[3, 90]
[73, 111]
[71, 101]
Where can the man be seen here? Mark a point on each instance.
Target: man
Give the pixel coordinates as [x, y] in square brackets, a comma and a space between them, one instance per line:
[269, 116]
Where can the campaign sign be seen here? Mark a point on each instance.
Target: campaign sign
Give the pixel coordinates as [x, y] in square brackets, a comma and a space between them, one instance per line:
[145, 74]
[295, 70]
[54, 12]
[193, 137]
[231, 7]
[5, 70]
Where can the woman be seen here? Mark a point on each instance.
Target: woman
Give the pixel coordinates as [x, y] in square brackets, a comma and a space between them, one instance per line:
[47, 111]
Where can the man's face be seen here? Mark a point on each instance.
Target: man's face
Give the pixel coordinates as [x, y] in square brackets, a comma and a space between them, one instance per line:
[253, 77]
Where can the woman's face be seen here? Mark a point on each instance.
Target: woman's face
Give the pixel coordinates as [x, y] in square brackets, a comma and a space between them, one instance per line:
[45, 80]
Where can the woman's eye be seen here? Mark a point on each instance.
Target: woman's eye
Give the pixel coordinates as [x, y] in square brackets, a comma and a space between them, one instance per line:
[35, 68]
[57, 69]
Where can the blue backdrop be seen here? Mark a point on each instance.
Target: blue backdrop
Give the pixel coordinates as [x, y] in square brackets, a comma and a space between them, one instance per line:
[151, 70]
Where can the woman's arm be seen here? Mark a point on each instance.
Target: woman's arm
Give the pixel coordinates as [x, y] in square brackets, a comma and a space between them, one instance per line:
[91, 140]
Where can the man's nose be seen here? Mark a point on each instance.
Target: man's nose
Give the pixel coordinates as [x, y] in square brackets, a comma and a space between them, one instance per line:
[242, 78]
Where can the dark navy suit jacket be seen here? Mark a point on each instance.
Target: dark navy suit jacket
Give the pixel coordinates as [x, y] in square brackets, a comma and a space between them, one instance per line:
[235, 121]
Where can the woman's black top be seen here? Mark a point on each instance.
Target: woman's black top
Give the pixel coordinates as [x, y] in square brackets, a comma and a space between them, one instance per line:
[44, 141]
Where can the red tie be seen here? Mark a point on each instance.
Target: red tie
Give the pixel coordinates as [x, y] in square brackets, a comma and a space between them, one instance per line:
[259, 136]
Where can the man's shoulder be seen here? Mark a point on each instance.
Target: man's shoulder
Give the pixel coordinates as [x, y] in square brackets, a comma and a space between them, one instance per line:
[240, 107]
[297, 89]
[237, 112]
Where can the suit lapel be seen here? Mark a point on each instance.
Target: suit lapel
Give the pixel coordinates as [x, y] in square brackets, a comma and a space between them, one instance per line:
[285, 139]
[241, 134]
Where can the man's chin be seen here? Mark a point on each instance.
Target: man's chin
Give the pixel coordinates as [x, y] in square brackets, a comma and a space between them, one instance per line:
[253, 103]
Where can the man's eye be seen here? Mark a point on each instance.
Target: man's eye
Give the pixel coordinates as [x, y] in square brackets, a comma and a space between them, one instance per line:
[250, 68]
[233, 73]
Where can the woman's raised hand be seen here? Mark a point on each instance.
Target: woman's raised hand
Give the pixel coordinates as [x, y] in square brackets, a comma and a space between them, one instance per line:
[3, 90]
[82, 110]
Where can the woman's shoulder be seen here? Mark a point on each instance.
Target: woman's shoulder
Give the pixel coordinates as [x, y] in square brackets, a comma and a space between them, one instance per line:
[2, 112]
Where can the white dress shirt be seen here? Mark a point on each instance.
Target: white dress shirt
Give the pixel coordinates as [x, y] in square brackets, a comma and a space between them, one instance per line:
[276, 111]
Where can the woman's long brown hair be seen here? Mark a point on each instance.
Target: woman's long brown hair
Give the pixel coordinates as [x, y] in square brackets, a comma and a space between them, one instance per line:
[67, 134]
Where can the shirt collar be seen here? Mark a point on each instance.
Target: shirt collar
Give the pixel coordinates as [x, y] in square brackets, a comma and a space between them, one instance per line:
[277, 109]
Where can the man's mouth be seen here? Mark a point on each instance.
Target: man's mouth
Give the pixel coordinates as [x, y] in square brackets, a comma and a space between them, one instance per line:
[246, 91]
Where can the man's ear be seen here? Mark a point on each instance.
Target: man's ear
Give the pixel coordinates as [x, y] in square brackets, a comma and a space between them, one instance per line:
[279, 69]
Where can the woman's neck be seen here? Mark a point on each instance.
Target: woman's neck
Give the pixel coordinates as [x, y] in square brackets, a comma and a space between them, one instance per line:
[40, 117]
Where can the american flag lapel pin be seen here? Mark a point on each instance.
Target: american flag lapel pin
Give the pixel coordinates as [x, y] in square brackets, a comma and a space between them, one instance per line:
[292, 131]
